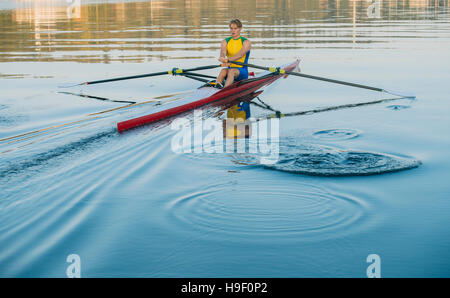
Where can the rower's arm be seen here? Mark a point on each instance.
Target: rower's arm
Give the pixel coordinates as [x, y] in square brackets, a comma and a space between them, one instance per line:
[245, 48]
[223, 49]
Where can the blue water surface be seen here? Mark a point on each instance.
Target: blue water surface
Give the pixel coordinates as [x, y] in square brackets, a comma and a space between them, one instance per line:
[130, 206]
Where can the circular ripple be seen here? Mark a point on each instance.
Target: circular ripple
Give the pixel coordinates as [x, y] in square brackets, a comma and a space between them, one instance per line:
[327, 161]
[397, 107]
[319, 160]
[336, 134]
[316, 160]
[262, 211]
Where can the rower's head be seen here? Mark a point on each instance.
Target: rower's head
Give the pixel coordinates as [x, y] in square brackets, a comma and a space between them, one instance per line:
[235, 28]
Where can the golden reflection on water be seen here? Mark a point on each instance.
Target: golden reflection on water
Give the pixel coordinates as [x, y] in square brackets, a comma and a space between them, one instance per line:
[126, 31]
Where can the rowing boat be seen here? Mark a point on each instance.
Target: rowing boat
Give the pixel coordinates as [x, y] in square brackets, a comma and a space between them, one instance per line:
[207, 94]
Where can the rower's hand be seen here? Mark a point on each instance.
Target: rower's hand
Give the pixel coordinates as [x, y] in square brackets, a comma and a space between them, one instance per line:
[225, 62]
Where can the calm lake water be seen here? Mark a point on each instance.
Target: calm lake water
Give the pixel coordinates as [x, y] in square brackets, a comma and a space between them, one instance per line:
[129, 206]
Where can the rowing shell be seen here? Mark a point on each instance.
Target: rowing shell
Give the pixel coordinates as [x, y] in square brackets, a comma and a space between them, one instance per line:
[208, 95]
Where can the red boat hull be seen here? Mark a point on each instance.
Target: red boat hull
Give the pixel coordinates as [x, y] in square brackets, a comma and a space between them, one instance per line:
[232, 92]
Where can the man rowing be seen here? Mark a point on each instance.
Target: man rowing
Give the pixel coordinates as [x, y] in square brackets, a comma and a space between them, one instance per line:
[234, 48]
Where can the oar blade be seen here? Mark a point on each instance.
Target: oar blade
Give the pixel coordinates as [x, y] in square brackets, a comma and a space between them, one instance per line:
[403, 95]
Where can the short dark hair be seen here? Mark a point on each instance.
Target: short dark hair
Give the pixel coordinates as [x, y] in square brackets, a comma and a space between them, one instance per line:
[236, 22]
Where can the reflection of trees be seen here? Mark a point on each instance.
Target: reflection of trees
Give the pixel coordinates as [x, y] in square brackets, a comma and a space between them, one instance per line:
[96, 30]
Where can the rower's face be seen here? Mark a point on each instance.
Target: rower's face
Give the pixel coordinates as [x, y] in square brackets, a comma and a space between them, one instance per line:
[235, 30]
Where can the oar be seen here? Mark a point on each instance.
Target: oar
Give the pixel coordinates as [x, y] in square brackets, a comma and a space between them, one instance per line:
[89, 116]
[96, 97]
[174, 71]
[279, 114]
[298, 74]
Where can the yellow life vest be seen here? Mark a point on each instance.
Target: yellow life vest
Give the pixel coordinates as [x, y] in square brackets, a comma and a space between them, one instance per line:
[234, 46]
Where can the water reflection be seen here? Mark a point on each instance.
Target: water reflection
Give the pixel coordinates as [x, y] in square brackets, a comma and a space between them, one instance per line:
[95, 31]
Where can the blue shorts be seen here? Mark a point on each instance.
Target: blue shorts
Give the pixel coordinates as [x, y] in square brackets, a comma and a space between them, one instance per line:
[244, 106]
[243, 73]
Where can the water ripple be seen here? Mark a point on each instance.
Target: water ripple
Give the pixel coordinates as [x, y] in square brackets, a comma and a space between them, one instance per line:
[262, 211]
[320, 160]
[336, 134]
[398, 107]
